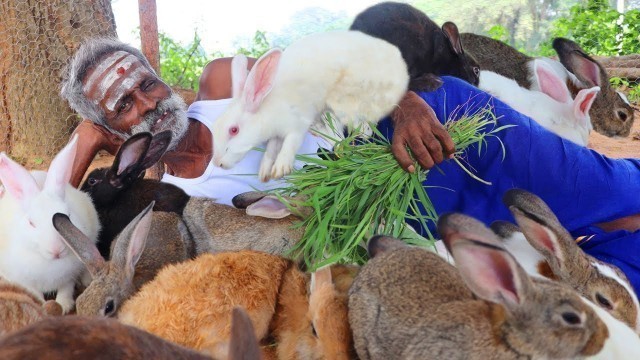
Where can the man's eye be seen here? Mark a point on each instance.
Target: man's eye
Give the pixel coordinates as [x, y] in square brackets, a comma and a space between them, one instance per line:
[124, 105]
[148, 85]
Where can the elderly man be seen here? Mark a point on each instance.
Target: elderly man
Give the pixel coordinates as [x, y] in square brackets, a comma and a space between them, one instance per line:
[114, 88]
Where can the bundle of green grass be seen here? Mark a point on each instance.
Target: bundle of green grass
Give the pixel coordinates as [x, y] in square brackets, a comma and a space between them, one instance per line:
[359, 190]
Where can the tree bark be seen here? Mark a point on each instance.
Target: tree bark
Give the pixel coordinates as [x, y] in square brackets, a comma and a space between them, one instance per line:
[37, 38]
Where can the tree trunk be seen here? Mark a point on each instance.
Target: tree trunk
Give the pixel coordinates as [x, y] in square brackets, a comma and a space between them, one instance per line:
[37, 37]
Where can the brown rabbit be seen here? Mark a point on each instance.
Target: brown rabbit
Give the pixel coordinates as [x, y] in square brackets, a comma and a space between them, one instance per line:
[76, 337]
[189, 303]
[554, 253]
[147, 244]
[19, 307]
[217, 227]
[408, 303]
[611, 113]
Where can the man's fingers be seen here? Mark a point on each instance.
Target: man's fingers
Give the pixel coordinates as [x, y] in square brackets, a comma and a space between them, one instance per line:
[421, 153]
[399, 150]
[445, 140]
[435, 149]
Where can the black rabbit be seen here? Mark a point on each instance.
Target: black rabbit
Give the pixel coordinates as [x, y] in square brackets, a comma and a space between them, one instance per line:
[120, 192]
[427, 49]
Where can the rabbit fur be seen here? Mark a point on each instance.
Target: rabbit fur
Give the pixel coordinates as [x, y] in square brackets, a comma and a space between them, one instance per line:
[545, 248]
[103, 338]
[19, 307]
[120, 192]
[148, 243]
[32, 254]
[189, 303]
[356, 76]
[611, 114]
[486, 308]
[551, 106]
[428, 49]
[218, 227]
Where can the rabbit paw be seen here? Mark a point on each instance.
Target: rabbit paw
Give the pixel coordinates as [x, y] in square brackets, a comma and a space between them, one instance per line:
[65, 297]
[266, 166]
[281, 168]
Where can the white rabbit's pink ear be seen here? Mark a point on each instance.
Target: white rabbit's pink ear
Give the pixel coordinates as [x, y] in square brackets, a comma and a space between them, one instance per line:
[238, 74]
[268, 207]
[16, 180]
[582, 104]
[60, 169]
[260, 80]
[550, 83]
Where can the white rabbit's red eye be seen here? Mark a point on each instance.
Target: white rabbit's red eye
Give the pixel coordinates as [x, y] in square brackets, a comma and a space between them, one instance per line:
[234, 130]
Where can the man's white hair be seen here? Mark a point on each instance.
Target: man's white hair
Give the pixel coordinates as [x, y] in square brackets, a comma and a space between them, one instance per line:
[87, 56]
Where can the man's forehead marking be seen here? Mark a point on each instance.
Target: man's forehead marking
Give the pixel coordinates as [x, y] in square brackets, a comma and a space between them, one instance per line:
[112, 75]
[101, 67]
[126, 83]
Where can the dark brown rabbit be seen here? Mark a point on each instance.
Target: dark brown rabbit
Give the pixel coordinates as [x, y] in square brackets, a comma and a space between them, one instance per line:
[611, 113]
[427, 49]
[76, 337]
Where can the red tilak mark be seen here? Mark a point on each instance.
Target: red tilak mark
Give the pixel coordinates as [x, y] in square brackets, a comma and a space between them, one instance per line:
[120, 70]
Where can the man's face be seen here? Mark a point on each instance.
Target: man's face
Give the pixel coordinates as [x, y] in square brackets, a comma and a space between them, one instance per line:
[133, 98]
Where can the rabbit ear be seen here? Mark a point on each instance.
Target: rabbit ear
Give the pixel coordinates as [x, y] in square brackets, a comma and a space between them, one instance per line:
[268, 207]
[451, 32]
[243, 200]
[243, 344]
[79, 243]
[16, 180]
[582, 104]
[504, 229]
[585, 68]
[379, 244]
[59, 172]
[550, 83]
[158, 146]
[131, 241]
[130, 156]
[238, 74]
[485, 266]
[543, 231]
[320, 277]
[260, 80]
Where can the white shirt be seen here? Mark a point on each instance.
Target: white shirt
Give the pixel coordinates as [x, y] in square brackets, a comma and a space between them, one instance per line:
[221, 184]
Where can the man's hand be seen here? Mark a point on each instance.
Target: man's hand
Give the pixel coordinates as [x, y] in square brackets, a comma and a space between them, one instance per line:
[416, 126]
[92, 138]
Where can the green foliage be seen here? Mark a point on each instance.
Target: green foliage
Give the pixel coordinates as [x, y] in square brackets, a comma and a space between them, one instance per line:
[632, 90]
[258, 46]
[182, 65]
[598, 29]
[498, 32]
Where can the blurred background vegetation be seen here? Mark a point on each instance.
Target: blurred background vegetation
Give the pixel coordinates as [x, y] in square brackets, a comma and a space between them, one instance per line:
[528, 25]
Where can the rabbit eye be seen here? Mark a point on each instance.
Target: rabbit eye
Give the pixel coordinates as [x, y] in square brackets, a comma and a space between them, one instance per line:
[92, 181]
[622, 116]
[476, 70]
[234, 130]
[109, 308]
[603, 301]
[571, 318]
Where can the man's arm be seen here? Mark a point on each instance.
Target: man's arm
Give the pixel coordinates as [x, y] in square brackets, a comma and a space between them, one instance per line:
[92, 138]
[416, 126]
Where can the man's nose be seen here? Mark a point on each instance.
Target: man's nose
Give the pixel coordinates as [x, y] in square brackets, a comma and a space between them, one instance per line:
[145, 102]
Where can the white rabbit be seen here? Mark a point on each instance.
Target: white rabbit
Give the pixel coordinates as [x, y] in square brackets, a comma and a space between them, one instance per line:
[356, 76]
[32, 252]
[551, 106]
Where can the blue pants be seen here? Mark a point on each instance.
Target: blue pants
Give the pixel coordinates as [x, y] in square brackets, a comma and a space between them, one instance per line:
[581, 186]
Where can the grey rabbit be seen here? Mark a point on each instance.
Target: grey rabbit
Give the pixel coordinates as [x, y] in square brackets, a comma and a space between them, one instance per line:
[427, 49]
[611, 113]
[408, 303]
[148, 243]
[76, 337]
[545, 248]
